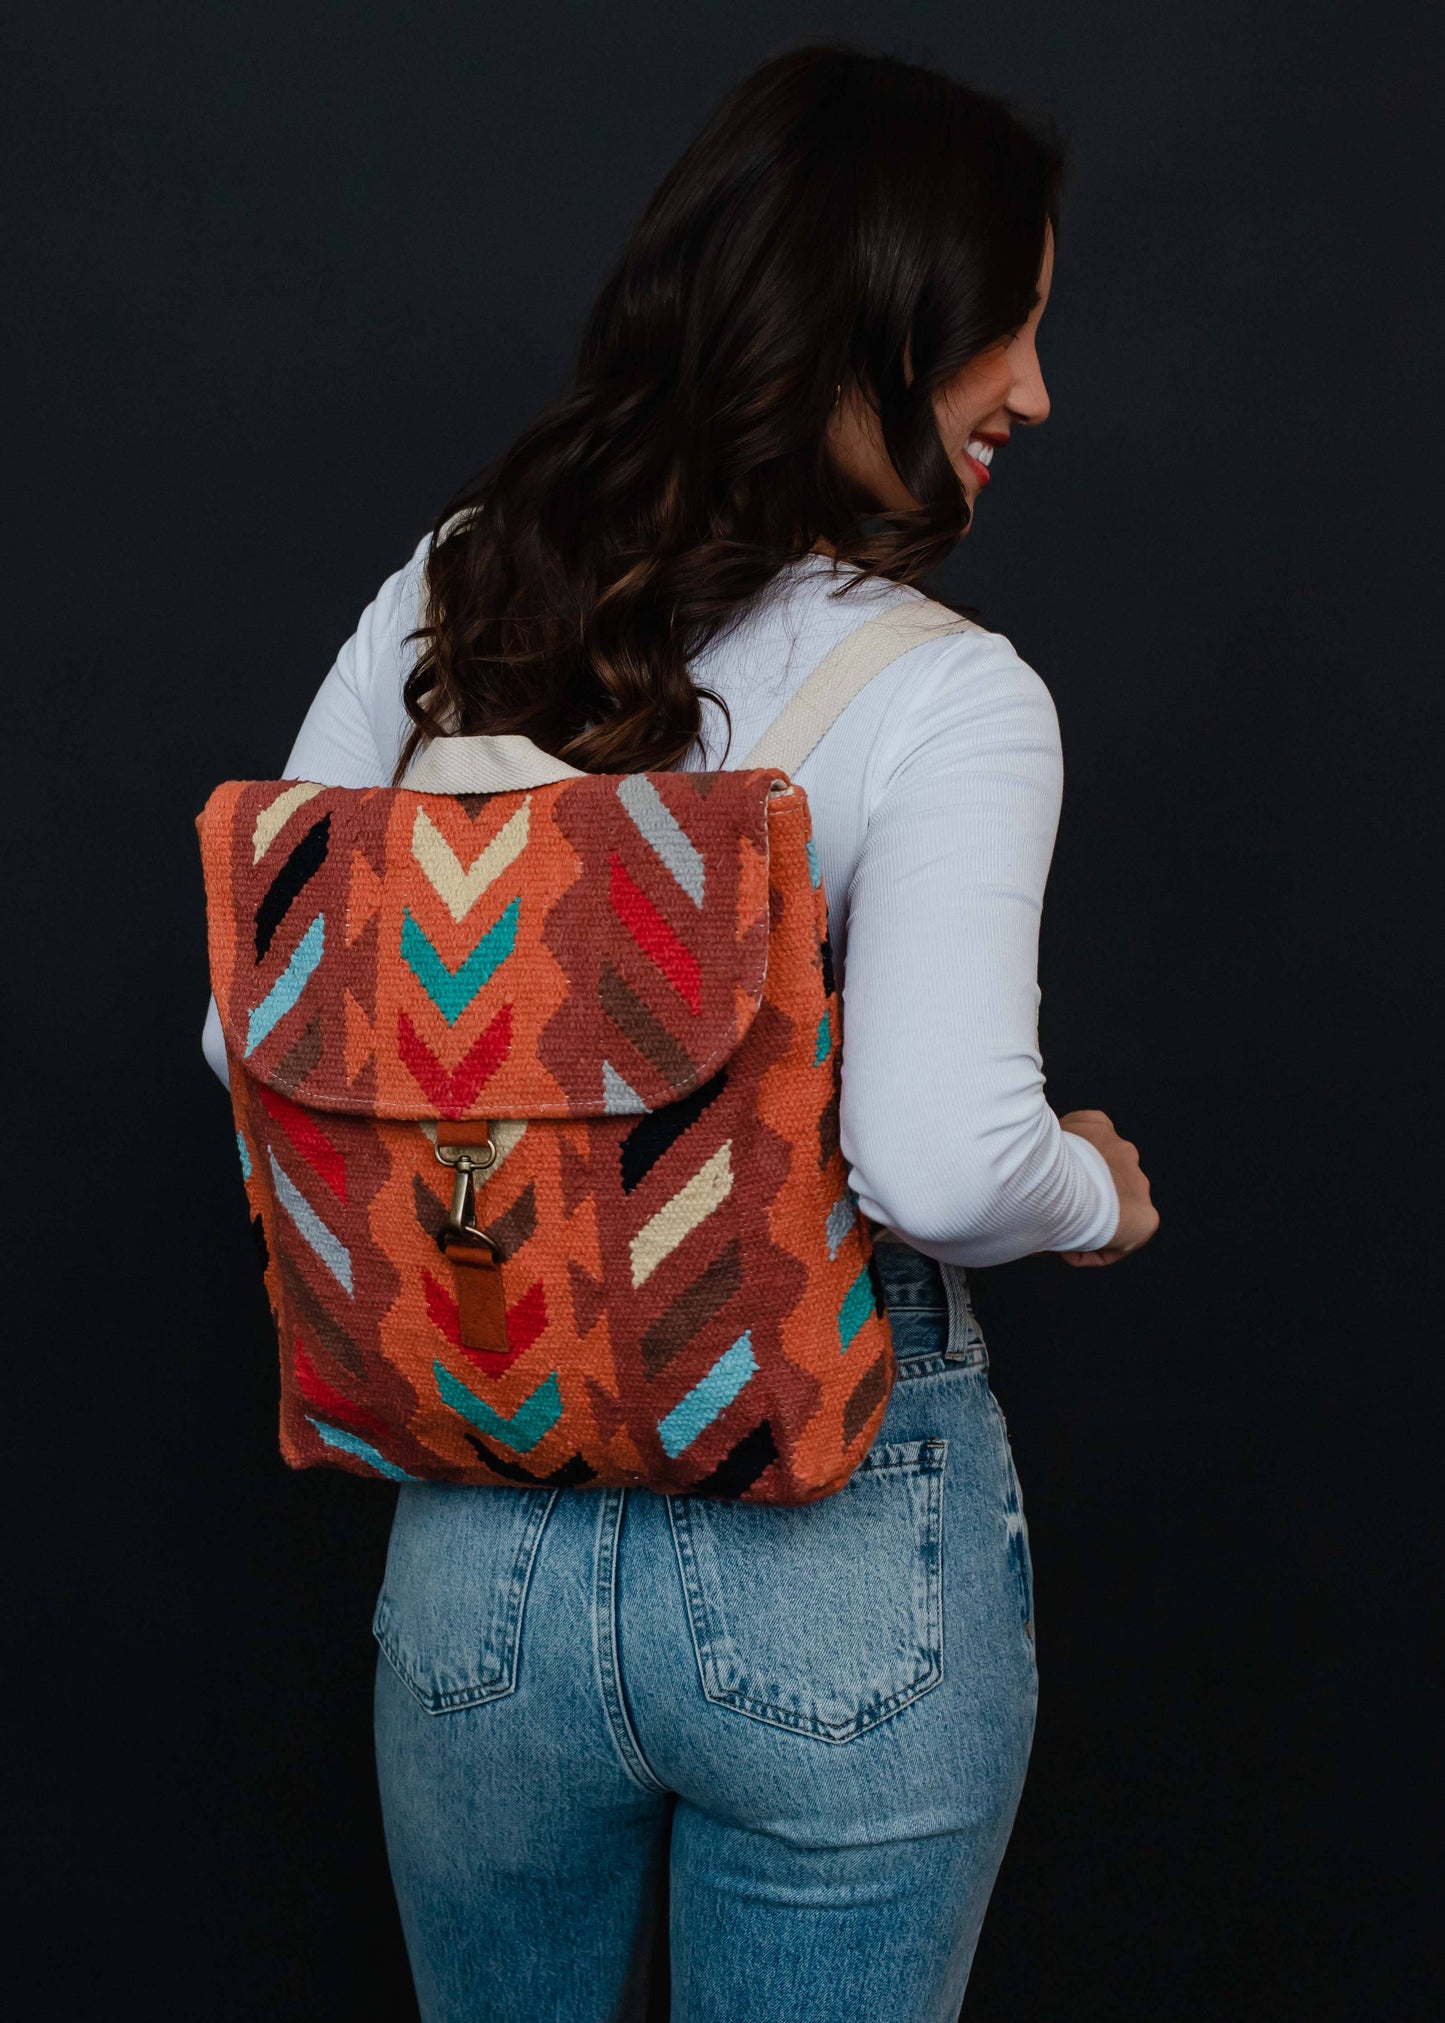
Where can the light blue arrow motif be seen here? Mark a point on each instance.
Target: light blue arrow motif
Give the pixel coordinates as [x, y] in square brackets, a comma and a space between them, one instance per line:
[289, 985]
[350, 1443]
[695, 1413]
[452, 990]
[534, 1417]
[330, 1249]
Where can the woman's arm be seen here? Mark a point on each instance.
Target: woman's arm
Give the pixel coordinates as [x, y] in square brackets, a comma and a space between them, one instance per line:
[944, 1121]
[354, 729]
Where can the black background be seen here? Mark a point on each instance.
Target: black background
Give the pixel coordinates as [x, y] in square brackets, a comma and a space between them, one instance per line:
[280, 276]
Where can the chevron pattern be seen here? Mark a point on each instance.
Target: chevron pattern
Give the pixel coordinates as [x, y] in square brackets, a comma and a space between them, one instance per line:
[537, 1414]
[692, 1415]
[664, 834]
[453, 1091]
[660, 1235]
[308, 1138]
[654, 937]
[628, 982]
[285, 994]
[459, 889]
[318, 1239]
[295, 874]
[275, 812]
[452, 990]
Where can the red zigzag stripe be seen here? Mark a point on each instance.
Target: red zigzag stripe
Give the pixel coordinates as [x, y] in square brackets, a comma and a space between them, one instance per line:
[306, 1135]
[454, 1093]
[525, 1321]
[654, 937]
[320, 1394]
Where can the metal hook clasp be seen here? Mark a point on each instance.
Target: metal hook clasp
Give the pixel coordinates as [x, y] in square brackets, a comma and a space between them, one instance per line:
[466, 1161]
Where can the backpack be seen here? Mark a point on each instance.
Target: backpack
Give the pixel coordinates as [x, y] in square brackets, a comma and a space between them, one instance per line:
[536, 1077]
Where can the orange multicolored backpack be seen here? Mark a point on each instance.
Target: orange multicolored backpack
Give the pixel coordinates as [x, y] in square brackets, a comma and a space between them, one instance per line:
[536, 1078]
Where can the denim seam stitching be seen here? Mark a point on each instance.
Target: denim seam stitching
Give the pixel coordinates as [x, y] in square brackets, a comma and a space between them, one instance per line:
[504, 1682]
[696, 1600]
[605, 1642]
[961, 1324]
[1023, 1563]
[884, 1710]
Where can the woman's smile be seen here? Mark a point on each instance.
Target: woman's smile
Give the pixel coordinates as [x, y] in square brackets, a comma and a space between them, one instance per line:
[978, 454]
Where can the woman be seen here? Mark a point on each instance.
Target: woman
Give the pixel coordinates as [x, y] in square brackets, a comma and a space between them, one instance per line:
[805, 1729]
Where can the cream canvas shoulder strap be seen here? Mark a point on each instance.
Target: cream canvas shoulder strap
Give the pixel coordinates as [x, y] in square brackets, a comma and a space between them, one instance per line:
[844, 672]
[495, 764]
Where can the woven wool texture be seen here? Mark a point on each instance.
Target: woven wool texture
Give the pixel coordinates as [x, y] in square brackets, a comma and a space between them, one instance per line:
[629, 978]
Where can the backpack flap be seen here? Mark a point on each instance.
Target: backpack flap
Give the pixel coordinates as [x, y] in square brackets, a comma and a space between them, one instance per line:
[595, 946]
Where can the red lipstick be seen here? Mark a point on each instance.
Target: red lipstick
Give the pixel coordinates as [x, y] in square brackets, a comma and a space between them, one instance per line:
[979, 470]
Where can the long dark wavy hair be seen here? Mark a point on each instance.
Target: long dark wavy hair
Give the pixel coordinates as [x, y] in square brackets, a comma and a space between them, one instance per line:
[843, 219]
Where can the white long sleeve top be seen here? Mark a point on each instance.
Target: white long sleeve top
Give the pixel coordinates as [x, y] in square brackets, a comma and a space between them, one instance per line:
[935, 802]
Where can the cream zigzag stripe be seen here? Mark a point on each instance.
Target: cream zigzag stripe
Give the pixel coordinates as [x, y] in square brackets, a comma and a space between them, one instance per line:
[274, 817]
[460, 890]
[659, 1237]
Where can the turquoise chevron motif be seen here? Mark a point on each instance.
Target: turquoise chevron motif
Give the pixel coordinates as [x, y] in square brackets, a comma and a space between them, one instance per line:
[713, 1394]
[825, 1041]
[349, 1443]
[625, 981]
[330, 1249]
[533, 1418]
[856, 1307]
[288, 987]
[452, 990]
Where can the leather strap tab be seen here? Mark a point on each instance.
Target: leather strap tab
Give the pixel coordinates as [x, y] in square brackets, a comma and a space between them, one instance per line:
[462, 1131]
[481, 1309]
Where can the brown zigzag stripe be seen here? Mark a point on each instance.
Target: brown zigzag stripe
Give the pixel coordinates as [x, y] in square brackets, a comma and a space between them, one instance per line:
[692, 1310]
[606, 1411]
[510, 1230]
[574, 1174]
[589, 1296]
[641, 1245]
[828, 1128]
[872, 1389]
[430, 1213]
[292, 1070]
[651, 1039]
[337, 1343]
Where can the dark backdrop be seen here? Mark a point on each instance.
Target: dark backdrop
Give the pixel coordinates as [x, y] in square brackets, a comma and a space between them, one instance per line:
[282, 274]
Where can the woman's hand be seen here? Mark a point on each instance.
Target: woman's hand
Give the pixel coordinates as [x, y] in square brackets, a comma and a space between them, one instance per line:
[1138, 1217]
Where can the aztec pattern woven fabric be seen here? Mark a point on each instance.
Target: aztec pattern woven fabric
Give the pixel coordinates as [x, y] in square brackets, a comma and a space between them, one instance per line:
[626, 980]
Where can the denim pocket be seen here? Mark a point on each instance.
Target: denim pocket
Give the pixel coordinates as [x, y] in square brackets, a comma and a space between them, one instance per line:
[449, 1614]
[826, 1618]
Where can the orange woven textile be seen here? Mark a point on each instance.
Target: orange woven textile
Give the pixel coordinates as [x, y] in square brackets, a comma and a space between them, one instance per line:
[625, 981]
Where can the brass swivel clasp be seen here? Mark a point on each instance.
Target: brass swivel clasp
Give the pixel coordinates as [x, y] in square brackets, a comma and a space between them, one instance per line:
[466, 1162]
